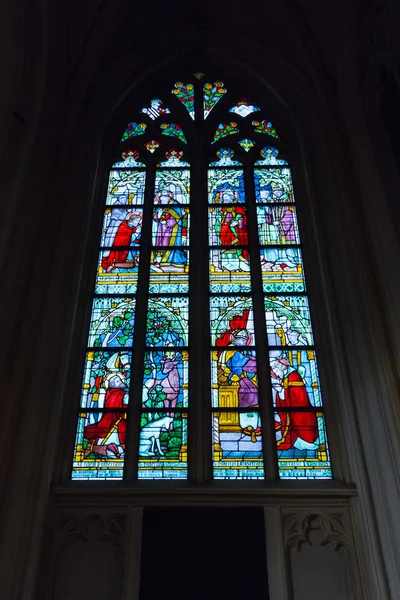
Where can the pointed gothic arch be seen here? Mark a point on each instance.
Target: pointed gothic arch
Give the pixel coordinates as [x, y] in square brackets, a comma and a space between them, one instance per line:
[149, 346]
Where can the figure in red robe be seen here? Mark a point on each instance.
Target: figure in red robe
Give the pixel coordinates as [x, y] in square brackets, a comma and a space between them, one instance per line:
[294, 430]
[128, 234]
[110, 422]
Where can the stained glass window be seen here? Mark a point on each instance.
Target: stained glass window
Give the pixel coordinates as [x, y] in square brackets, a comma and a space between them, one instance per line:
[202, 283]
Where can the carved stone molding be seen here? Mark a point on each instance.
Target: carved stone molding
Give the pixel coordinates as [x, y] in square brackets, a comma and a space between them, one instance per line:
[91, 527]
[297, 528]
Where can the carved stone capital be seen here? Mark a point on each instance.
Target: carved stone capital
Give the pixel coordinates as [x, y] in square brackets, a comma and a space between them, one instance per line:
[91, 528]
[297, 528]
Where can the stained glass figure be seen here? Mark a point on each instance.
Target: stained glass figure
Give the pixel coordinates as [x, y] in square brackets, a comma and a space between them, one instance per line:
[170, 226]
[152, 145]
[112, 322]
[231, 320]
[173, 157]
[225, 159]
[225, 186]
[277, 224]
[243, 108]
[230, 271]
[101, 433]
[172, 187]
[225, 129]
[227, 226]
[199, 75]
[134, 129]
[117, 277]
[237, 444]
[167, 321]
[130, 159]
[265, 127]
[163, 445]
[165, 380]
[102, 455]
[212, 93]
[282, 270]
[169, 271]
[106, 371]
[273, 185]
[173, 130]
[122, 227]
[288, 321]
[246, 144]
[126, 187]
[185, 94]
[270, 157]
[155, 109]
[299, 426]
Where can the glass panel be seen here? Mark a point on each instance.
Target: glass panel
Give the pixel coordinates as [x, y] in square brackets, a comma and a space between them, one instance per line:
[269, 156]
[277, 224]
[265, 127]
[100, 446]
[106, 380]
[167, 321]
[243, 108]
[155, 109]
[185, 94]
[282, 270]
[212, 93]
[117, 272]
[163, 446]
[112, 322]
[288, 321]
[227, 226]
[230, 270]
[237, 445]
[225, 129]
[126, 187]
[273, 185]
[246, 144]
[134, 129]
[231, 321]
[165, 379]
[170, 226]
[173, 130]
[169, 271]
[302, 445]
[122, 227]
[152, 145]
[172, 187]
[225, 186]
[234, 378]
[294, 379]
[225, 158]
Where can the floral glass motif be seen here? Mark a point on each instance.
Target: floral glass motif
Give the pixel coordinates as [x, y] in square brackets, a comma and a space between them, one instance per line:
[130, 158]
[134, 129]
[152, 146]
[265, 127]
[173, 157]
[225, 158]
[173, 130]
[225, 129]
[246, 144]
[243, 108]
[185, 94]
[269, 157]
[112, 322]
[167, 321]
[199, 75]
[155, 109]
[212, 93]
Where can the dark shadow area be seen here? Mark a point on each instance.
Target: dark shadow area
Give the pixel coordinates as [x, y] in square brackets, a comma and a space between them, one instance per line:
[203, 553]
